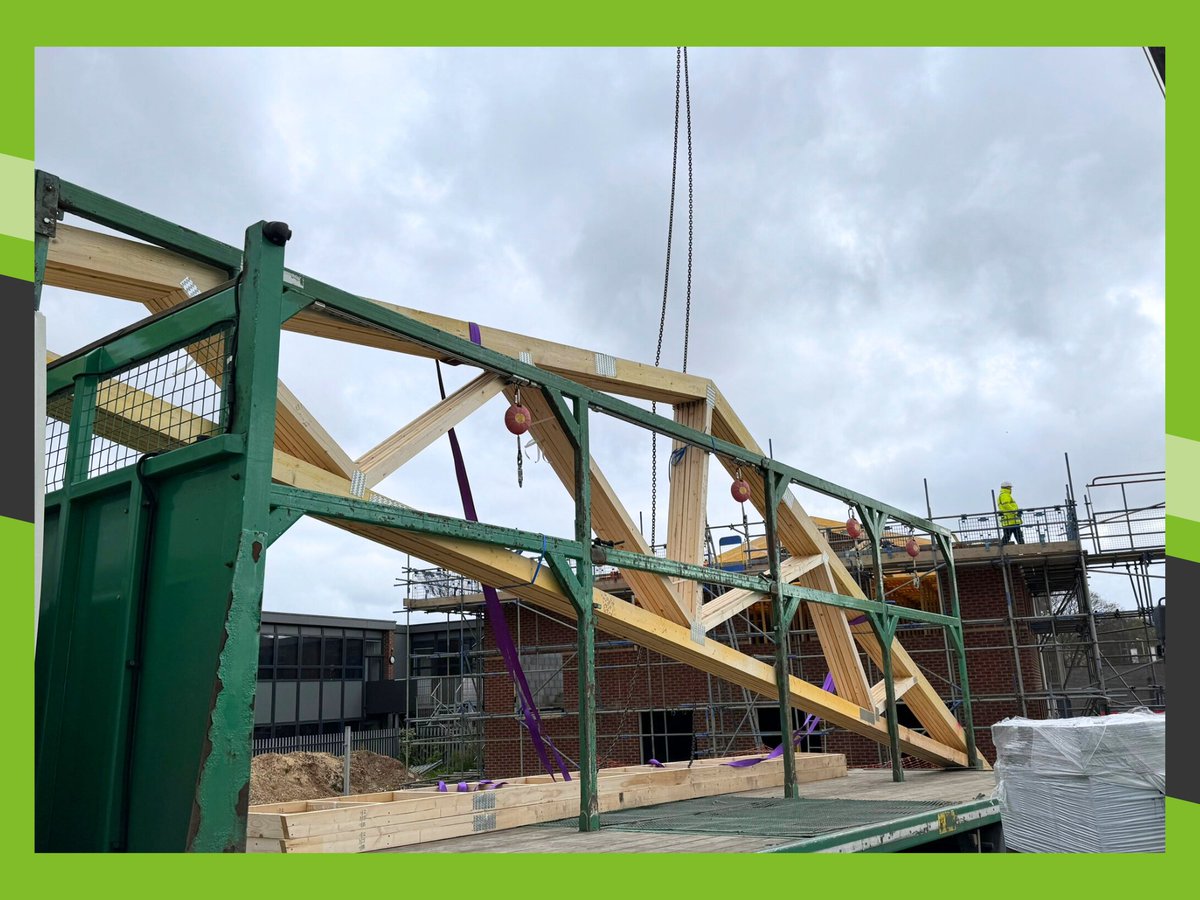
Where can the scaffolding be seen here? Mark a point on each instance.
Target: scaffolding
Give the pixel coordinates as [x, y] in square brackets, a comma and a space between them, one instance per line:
[443, 689]
[1068, 656]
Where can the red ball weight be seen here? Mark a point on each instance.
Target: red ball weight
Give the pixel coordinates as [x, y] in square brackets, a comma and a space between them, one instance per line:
[517, 419]
[740, 491]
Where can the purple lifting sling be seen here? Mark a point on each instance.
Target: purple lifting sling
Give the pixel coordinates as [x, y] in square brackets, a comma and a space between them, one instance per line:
[810, 724]
[495, 614]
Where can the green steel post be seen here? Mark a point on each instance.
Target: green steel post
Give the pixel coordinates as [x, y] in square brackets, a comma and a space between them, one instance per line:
[589, 805]
[51, 687]
[885, 624]
[222, 793]
[960, 649]
[589, 800]
[783, 611]
[578, 585]
[885, 630]
[83, 420]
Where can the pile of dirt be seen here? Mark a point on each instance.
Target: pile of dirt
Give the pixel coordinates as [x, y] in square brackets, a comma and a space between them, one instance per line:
[280, 777]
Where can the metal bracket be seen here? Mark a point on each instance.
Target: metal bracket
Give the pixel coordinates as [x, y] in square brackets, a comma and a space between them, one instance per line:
[47, 213]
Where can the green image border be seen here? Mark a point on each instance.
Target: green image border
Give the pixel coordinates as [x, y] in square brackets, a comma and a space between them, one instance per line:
[617, 23]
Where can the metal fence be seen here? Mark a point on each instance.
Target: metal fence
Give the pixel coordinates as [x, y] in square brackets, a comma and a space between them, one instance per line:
[1039, 525]
[384, 741]
[1126, 529]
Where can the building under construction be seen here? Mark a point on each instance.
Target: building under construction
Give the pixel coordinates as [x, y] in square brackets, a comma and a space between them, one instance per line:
[1038, 644]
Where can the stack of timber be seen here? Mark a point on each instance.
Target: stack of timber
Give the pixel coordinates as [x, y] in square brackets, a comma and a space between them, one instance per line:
[365, 822]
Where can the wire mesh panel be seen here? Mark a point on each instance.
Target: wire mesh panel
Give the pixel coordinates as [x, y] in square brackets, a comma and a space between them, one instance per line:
[170, 401]
[1128, 529]
[58, 420]
[161, 404]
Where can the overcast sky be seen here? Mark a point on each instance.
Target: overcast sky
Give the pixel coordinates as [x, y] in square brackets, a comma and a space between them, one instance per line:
[908, 263]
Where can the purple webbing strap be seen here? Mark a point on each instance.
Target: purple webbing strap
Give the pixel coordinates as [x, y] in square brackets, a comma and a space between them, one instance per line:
[809, 726]
[495, 613]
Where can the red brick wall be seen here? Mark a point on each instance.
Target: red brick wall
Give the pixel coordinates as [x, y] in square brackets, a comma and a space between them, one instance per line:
[631, 679]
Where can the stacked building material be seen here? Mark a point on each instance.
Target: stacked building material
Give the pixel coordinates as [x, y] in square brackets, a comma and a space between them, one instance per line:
[1083, 785]
[380, 821]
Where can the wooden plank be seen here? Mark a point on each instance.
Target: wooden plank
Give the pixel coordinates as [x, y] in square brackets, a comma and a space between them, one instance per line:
[729, 604]
[298, 433]
[380, 462]
[84, 260]
[287, 469]
[879, 691]
[688, 505]
[80, 259]
[382, 831]
[837, 643]
[610, 520]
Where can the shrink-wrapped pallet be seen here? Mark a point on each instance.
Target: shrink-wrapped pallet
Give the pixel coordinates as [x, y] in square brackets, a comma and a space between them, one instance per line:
[1083, 785]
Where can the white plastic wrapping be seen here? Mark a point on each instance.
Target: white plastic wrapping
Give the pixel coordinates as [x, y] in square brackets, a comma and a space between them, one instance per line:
[1083, 785]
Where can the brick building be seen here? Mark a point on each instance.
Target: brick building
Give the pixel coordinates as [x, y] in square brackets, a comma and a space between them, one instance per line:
[649, 706]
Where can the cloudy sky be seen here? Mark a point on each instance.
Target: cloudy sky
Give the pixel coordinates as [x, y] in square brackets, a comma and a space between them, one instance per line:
[909, 263]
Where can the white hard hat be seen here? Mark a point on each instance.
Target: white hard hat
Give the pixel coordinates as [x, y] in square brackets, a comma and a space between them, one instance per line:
[1006, 484]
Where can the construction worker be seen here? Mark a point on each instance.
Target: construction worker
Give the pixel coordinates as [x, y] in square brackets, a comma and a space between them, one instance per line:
[1010, 515]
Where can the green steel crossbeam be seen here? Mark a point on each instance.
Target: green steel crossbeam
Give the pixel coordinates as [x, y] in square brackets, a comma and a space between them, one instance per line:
[145, 339]
[405, 519]
[150, 336]
[124, 218]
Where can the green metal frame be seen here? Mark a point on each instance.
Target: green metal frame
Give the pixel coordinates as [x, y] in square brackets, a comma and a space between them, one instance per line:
[204, 802]
[146, 658]
[901, 834]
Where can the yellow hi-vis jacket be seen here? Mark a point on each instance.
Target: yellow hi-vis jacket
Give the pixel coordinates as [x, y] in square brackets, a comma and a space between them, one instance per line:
[1010, 513]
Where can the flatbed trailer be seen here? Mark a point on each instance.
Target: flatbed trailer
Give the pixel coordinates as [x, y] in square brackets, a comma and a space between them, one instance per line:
[932, 810]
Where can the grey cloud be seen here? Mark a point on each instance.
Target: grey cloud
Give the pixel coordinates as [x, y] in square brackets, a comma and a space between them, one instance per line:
[909, 262]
